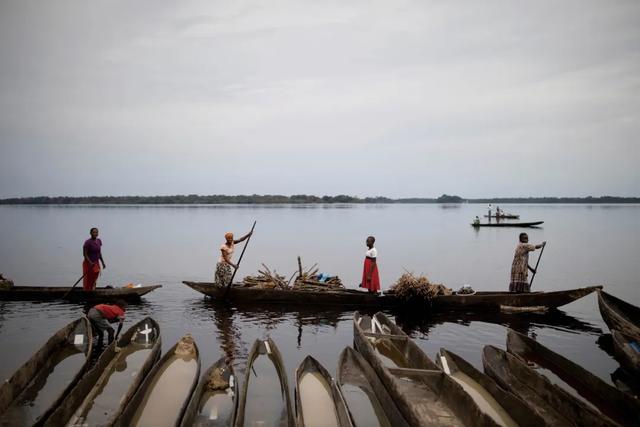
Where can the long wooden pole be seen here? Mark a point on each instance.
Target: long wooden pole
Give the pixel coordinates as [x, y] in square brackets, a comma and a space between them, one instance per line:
[226, 292]
[535, 270]
[74, 285]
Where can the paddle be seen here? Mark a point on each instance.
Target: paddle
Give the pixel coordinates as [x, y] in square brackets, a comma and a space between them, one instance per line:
[74, 285]
[535, 270]
[226, 292]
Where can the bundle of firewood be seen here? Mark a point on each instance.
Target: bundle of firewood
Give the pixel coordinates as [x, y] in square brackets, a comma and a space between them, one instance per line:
[310, 280]
[411, 288]
[266, 280]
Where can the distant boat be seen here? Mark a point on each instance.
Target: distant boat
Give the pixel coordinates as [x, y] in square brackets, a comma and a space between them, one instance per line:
[509, 224]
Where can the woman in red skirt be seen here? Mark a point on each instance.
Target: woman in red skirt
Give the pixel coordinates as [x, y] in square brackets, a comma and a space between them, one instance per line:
[370, 276]
[92, 252]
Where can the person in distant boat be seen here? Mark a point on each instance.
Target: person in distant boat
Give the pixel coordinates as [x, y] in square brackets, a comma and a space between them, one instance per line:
[92, 252]
[223, 267]
[102, 315]
[370, 275]
[490, 208]
[520, 266]
[476, 221]
[498, 211]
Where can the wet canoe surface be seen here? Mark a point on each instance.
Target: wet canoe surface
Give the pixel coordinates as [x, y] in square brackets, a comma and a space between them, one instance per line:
[38, 386]
[627, 351]
[619, 315]
[46, 293]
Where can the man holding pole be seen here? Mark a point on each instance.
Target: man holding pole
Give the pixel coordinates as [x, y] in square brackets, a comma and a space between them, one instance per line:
[520, 266]
[223, 267]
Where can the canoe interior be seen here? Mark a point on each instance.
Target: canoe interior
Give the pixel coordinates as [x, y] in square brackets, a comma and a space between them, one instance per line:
[627, 351]
[554, 405]
[145, 333]
[27, 383]
[367, 399]
[182, 390]
[514, 406]
[614, 403]
[208, 407]
[45, 293]
[424, 394]
[619, 315]
[266, 348]
[331, 396]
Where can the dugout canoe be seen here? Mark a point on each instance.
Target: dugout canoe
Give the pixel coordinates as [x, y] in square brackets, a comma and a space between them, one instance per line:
[317, 393]
[619, 315]
[627, 351]
[366, 397]
[215, 400]
[504, 407]
[617, 405]
[143, 340]
[281, 412]
[556, 406]
[163, 396]
[509, 224]
[46, 293]
[25, 398]
[505, 216]
[425, 395]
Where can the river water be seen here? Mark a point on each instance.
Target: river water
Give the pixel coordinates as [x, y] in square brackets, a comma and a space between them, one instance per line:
[587, 245]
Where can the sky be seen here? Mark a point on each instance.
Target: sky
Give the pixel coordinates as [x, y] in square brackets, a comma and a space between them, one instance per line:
[393, 98]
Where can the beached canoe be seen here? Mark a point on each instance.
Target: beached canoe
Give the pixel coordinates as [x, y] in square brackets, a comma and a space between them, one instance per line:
[46, 293]
[265, 398]
[39, 385]
[619, 315]
[367, 399]
[555, 405]
[319, 401]
[505, 216]
[214, 402]
[509, 224]
[617, 405]
[627, 351]
[505, 408]
[425, 395]
[102, 394]
[163, 396]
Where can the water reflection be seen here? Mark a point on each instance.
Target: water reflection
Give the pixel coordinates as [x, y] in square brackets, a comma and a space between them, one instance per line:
[622, 379]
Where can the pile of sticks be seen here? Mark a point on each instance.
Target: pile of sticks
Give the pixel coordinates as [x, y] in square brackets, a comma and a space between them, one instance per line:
[410, 287]
[308, 280]
[266, 280]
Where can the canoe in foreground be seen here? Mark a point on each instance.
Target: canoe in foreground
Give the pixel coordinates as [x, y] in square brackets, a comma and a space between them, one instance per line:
[101, 395]
[617, 405]
[40, 384]
[619, 315]
[505, 408]
[162, 398]
[509, 224]
[553, 404]
[319, 401]
[215, 400]
[367, 399]
[265, 396]
[45, 293]
[627, 351]
[424, 394]
[240, 294]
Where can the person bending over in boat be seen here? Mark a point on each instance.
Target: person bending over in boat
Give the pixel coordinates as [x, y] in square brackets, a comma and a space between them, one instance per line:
[520, 266]
[101, 317]
[223, 267]
[92, 252]
[370, 276]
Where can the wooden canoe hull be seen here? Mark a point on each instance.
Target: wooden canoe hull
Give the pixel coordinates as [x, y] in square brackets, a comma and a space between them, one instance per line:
[614, 403]
[310, 365]
[12, 387]
[506, 216]
[431, 397]
[259, 347]
[85, 387]
[625, 354]
[556, 406]
[619, 315]
[510, 224]
[130, 412]
[46, 293]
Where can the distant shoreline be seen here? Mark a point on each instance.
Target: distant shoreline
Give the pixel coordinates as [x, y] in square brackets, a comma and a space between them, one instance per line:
[302, 199]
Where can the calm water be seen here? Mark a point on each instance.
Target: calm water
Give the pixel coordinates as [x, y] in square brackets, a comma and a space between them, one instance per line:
[586, 245]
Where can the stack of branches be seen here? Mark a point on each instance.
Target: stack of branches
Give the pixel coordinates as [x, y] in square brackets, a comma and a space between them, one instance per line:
[308, 280]
[266, 280]
[412, 288]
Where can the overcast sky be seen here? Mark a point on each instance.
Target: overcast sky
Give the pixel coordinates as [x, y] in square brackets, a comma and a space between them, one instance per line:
[394, 98]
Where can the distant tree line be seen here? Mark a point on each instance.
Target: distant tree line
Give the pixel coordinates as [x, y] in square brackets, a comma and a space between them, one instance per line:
[256, 199]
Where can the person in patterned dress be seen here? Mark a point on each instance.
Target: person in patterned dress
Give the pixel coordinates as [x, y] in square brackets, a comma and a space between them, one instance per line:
[223, 267]
[520, 266]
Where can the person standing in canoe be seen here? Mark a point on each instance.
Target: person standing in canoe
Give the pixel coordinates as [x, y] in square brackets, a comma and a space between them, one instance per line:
[520, 266]
[92, 252]
[102, 315]
[223, 267]
[370, 275]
